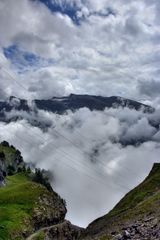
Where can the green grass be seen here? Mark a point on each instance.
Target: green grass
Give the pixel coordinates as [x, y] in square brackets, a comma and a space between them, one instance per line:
[145, 192]
[23, 201]
[17, 200]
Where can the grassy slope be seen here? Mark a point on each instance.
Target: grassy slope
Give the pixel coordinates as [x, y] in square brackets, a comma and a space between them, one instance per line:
[17, 200]
[140, 202]
[23, 203]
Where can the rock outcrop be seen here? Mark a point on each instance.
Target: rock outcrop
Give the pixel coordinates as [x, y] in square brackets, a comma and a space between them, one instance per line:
[2, 169]
[147, 228]
[48, 210]
[60, 231]
[11, 161]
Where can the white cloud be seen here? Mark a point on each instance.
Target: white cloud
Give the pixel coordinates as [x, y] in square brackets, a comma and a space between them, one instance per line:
[103, 55]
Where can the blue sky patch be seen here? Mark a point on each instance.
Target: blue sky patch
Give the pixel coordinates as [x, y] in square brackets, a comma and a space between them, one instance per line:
[71, 9]
[23, 60]
[68, 9]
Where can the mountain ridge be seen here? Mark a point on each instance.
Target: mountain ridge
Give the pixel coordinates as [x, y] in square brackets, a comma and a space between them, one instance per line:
[72, 102]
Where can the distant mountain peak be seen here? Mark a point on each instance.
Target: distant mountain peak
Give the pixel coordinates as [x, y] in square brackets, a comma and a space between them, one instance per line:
[74, 102]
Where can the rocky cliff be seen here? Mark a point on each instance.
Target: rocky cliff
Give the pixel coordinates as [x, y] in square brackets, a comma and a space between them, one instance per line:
[11, 161]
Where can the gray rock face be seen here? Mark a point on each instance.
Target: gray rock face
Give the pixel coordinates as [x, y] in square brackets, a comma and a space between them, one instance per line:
[2, 169]
[2, 180]
[10, 161]
[65, 231]
[61, 231]
[146, 229]
[49, 210]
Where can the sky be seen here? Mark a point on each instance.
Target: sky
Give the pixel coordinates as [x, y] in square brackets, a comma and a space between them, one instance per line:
[57, 47]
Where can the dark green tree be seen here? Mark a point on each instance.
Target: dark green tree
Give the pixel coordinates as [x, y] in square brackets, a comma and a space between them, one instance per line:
[2, 155]
[28, 170]
[40, 178]
[10, 170]
[5, 144]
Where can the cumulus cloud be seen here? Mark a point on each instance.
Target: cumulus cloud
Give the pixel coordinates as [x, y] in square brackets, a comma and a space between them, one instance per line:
[111, 49]
[91, 169]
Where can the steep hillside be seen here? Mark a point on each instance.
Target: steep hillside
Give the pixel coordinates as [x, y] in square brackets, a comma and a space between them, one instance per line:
[27, 202]
[136, 216]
